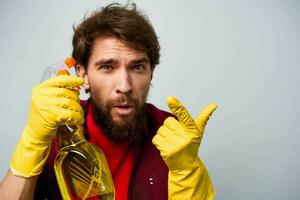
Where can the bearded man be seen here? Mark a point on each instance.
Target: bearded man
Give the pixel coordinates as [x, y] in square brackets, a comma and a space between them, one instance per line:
[152, 154]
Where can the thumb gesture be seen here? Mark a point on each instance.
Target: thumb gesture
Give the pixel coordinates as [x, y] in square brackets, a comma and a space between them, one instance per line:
[178, 140]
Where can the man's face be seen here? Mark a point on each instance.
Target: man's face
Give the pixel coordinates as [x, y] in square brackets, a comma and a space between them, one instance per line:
[118, 78]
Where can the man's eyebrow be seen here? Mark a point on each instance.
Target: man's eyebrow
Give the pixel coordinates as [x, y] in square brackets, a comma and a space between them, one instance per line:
[141, 60]
[111, 61]
[104, 61]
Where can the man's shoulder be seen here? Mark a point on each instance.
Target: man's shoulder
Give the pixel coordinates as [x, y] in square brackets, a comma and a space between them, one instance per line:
[83, 102]
[155, 110]
[157, 114]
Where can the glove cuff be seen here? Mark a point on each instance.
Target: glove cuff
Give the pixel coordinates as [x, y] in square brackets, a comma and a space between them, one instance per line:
[193, 183]
[29, 156]
[183, 165]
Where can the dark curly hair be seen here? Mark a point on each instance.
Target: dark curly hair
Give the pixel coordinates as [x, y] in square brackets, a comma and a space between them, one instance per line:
[125, 23]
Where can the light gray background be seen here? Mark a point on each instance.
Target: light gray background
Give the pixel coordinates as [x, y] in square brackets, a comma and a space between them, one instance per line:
[244, 55]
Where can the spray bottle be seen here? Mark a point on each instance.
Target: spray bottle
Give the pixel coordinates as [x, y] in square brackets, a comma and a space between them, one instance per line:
[81, 168]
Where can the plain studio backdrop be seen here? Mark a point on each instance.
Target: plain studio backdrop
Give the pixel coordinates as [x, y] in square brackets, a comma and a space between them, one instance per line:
[243, 55]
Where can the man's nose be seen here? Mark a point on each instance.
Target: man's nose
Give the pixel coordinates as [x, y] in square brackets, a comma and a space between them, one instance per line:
[124, 82]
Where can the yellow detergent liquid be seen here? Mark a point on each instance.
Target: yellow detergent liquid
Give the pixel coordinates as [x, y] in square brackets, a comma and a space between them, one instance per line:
[81, 169]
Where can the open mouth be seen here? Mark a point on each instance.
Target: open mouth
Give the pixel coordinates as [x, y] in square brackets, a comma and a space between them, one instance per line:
[124, 109]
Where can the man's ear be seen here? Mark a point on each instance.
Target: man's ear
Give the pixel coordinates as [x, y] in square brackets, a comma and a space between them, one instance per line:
[83, 74]
[152, 71]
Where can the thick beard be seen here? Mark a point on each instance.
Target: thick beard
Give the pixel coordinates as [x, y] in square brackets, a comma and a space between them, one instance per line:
[132, 130]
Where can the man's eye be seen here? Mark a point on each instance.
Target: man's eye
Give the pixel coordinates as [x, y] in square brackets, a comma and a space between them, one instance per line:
[106, 67]
[138, 67]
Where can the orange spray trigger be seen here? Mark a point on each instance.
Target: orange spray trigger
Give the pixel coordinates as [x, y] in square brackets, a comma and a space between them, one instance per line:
[63, 72]
[70, 62]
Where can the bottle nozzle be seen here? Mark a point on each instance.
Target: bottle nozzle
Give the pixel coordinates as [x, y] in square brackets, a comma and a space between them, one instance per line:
[70, 62]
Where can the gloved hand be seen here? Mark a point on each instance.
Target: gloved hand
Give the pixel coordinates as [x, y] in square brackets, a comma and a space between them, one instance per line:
[178, 142]
[54, 102]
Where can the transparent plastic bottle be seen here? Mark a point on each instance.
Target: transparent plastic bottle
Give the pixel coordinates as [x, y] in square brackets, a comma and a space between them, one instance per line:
[64, 67]
[81, 168]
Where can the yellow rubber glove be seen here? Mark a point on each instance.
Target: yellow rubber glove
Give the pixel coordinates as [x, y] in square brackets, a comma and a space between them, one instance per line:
[53, 103]
[178, 142]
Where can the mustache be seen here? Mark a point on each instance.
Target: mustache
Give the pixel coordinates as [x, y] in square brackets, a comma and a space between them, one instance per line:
[122, 101]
